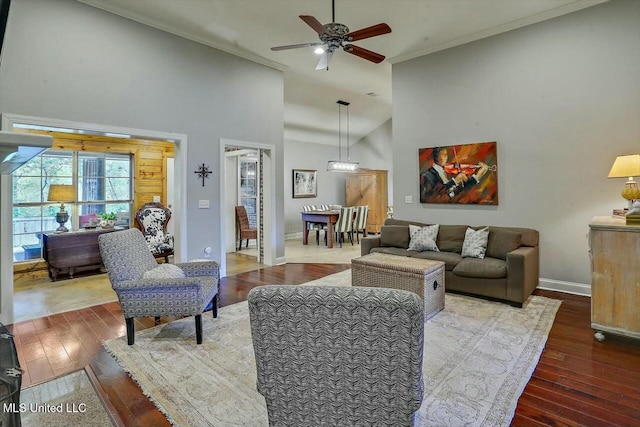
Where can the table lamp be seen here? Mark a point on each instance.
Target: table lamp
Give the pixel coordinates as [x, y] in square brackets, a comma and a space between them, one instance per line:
[627, 167]
[61, 193]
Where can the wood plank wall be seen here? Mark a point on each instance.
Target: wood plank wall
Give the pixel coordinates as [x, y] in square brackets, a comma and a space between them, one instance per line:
[150, 173]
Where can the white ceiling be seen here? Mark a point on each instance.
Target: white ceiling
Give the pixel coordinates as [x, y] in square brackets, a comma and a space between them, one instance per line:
[249, 28]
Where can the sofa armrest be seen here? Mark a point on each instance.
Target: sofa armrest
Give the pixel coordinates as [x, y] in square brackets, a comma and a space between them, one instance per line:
[523, 272]
[369, 243]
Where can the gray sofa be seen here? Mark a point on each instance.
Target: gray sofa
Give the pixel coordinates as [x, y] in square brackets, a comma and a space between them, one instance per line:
[509, 271]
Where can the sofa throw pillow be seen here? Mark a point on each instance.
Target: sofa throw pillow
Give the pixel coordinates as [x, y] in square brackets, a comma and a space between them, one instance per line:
[501, 242]
[164, 271]
[395, 236]
[423, 238]
[475, 243]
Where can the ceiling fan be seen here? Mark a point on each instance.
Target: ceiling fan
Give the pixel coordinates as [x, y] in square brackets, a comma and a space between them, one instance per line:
[334, 35]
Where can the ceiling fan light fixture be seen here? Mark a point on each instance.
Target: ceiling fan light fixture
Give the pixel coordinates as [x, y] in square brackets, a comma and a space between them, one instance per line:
[319, 50]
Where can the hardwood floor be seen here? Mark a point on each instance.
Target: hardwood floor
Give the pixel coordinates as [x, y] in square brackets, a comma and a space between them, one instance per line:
[578, 381]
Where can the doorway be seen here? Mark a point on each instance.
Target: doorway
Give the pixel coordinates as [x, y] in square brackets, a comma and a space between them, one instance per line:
[247, 178]
[6, 254]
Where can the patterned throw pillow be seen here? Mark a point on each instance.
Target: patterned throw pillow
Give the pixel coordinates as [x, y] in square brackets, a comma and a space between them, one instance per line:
[475, 243]
[423, 238]
[164, 271]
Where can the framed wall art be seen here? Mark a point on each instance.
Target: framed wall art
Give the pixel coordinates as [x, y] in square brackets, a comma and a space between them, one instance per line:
[305, 183]
[465, 174]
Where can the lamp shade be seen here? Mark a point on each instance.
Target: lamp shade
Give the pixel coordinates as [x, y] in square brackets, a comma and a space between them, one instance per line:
[61, 193]
[625, 166]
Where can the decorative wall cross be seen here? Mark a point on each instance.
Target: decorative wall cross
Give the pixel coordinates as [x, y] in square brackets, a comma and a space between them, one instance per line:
[203, 172]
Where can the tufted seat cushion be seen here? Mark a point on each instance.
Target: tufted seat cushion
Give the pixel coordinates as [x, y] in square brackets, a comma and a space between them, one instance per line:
[486, 268]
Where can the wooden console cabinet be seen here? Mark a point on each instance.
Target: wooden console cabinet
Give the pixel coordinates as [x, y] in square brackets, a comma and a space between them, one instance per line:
[72, 250]
[615, 277]
[369, 187]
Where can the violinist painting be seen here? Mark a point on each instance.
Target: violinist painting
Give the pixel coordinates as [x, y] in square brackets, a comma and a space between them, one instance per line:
[466, 174]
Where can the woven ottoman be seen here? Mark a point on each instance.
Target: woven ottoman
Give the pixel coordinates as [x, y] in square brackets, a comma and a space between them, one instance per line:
[421, 276]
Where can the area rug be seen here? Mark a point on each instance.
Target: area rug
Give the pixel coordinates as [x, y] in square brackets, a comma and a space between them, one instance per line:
[478, 357]
[66, 401]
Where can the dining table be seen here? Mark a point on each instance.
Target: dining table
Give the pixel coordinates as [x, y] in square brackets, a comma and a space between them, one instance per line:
[329, 217]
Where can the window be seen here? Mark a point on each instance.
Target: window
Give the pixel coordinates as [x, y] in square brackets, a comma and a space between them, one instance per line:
[103, 182]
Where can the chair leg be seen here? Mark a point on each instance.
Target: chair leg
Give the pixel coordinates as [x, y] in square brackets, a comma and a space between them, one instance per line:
[214, 306]
[318, 237]
[199, 328]
[130, 330]
[240, 245]
[247, 244]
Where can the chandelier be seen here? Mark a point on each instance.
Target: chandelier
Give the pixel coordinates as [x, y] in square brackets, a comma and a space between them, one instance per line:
[340, 165]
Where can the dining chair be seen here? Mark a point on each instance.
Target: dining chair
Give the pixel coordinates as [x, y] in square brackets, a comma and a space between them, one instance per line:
[315, 226]
[360, 222]
[338, 356]
[344, 224]
[243, 229]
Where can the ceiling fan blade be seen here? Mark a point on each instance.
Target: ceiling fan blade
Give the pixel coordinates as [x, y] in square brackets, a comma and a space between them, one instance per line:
[365, 33]
[314, 23]
[364, 53]
[323, 63]
[295, 46]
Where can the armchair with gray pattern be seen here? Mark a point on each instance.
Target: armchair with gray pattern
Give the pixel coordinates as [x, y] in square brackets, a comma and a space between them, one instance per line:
[146, 289]
[338, 356]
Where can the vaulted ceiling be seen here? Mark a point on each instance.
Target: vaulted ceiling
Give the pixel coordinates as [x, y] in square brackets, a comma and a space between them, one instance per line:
[249, 28]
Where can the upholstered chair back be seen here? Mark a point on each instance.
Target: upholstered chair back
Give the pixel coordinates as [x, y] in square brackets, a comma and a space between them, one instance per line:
[344, 223]
[125, 255]
[152, 218]
[338, 356]
[308, 208]
[360, 222]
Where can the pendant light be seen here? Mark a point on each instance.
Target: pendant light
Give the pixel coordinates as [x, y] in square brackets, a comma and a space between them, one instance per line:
[339, 165]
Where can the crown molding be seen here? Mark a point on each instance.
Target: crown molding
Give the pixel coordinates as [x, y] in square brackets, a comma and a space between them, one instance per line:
[111, 8]
[518, 23]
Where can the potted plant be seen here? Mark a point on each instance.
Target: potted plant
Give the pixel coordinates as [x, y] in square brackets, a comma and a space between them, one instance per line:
[107, 219]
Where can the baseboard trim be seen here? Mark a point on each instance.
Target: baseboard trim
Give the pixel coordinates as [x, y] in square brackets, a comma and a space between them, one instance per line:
[293, 236]
[567, 287]
[281, 260]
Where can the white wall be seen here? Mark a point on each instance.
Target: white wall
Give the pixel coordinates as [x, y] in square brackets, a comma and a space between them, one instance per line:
[331, 185]
[65, 60]
[561, 98]
[375, 151]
